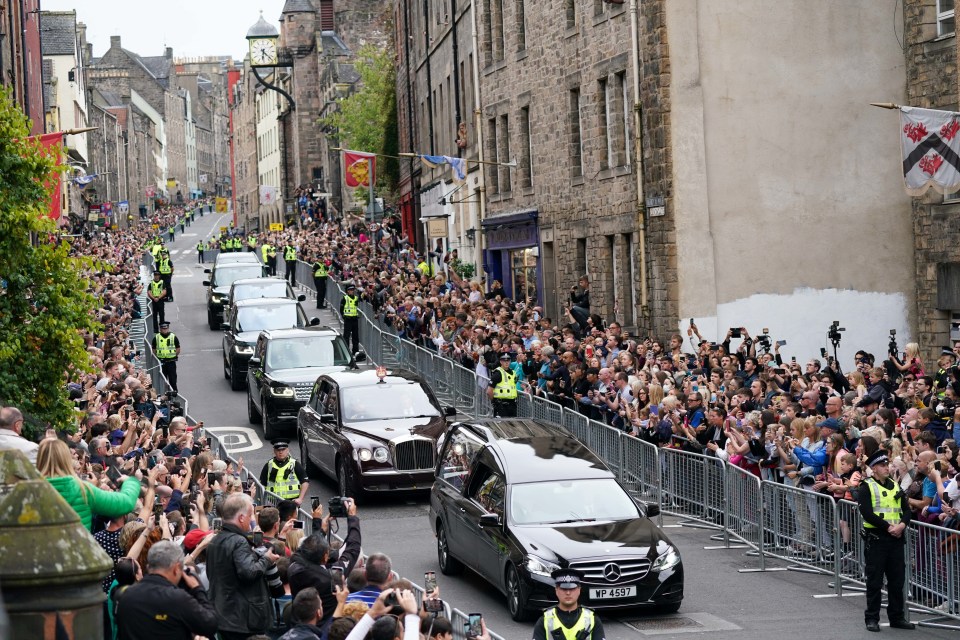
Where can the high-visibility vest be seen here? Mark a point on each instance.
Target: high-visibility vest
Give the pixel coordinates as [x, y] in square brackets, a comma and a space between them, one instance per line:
[155, 249]
[237, 243]
[252, 241]
[164, 266]
[263, 251]
[350, 306]
[320, 270]
[886, 502]
[425, 268]
[583, 624]
[166, 347]
[283, 480]
[156, 288]
[172, 230]
[200, 246]
[290, 253]
[506, 389]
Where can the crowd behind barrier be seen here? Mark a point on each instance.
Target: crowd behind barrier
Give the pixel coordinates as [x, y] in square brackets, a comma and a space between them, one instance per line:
[746, 503]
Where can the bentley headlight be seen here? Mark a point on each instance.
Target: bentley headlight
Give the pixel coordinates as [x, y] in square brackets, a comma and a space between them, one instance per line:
[380, 455]
[539, 566]
[667, 560]
[365, 455]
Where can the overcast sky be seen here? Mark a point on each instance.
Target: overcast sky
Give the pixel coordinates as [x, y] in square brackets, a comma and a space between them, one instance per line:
[191, 27]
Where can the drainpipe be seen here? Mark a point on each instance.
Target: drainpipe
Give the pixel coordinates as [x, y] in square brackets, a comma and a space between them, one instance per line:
[638, 161]
[478, 125]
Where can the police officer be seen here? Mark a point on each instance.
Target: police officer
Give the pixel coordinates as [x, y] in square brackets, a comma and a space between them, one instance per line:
[251, 242]
[237, 244]
[165, 267]
[283, 475]
[290, 258]
[568, 620]
[200, 252]
[157, 293]
[272, 259]
[172, 230]
[886, 515]
[350, 312]
[167, 347]
[503, 385]
[320, 274]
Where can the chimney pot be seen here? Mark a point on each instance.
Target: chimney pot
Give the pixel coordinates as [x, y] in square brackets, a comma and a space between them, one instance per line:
[169, 53]
[114, 42]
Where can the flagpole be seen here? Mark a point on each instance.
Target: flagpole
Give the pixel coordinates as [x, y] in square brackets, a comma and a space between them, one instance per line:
[885, 105]
[373, 234]
[512, 164]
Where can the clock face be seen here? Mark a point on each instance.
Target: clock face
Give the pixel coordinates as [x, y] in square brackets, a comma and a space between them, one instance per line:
[263, 52]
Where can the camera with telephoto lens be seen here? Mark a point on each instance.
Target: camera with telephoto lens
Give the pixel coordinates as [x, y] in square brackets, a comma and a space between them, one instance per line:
[337, 507]
[892, 345]
[946, 408]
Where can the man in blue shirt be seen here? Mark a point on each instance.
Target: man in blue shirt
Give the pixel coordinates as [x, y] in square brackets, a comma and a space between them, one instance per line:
[379, 574]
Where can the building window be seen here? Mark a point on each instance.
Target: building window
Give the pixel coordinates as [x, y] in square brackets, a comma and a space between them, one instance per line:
[492, 147]
[526, 160]
[487, 44]
[946, 20]
[625, 107]
[598, 7]
[521, 25]
[616, 138]
[570, 8]
[497, 28]
[603, 110]
[576, 135]
[503, 152]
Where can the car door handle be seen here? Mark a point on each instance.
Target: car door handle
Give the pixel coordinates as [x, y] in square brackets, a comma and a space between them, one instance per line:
[463, 510]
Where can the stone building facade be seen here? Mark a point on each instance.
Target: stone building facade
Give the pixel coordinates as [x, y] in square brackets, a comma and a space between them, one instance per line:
[932, 82]
[246, 173]
[21, 59]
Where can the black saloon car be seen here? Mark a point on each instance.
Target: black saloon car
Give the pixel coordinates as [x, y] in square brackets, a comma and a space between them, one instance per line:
[372, 434]
[283, 369]
[516, 499]
[250, 317]
[218, 287]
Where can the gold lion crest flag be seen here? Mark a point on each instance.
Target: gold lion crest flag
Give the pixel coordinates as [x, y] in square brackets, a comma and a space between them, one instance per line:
[359, 168]
[930, 142]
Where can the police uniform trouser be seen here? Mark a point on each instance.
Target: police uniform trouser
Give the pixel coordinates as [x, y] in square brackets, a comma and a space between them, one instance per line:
[321, 286]
[169, 369]
[351, 329]
[272, 264]
[884, 556]
[158, 315]
[291, 271]
[166, 277]
[505, 408]
[200, 256]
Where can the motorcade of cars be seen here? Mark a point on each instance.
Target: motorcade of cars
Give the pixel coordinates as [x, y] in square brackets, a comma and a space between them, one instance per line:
[218, 286]
[250, 317]
[516, 499]
[249, 288]
[372, 431]
[283, 369]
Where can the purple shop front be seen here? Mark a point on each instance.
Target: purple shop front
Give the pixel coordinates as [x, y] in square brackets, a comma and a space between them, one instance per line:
[512, 255]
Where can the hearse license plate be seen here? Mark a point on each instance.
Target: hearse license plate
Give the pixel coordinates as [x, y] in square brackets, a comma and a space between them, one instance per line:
[613, 592]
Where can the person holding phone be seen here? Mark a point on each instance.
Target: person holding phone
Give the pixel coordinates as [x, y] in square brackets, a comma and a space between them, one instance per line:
[572, 620]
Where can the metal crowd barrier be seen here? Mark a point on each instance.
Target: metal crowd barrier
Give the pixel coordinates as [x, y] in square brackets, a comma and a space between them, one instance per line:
[807, 530]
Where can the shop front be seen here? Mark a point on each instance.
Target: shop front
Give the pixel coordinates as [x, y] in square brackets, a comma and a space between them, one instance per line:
[512, 255]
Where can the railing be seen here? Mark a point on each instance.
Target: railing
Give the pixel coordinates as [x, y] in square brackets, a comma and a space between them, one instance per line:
[809, 531]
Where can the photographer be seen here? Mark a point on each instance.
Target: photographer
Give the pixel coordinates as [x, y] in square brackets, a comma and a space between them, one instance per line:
[313, 564]
[168, 603]
[579, 305]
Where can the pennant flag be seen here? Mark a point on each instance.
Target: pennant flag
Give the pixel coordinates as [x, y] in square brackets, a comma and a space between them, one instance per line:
[268, 194]
[359, 168]
[53, 147]
[930, 144]
[82, 181]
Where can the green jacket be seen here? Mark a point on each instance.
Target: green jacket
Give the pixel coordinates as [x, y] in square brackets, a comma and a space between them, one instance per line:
[97, 501]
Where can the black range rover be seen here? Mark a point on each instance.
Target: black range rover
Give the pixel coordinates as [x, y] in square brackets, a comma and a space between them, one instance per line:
[516, 499]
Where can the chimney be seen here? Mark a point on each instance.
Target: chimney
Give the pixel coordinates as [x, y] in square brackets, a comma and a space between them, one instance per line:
[168, 54]
[114, 42]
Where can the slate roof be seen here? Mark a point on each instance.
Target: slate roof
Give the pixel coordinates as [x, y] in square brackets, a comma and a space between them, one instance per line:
[333, 45]
[58, 33]
[110, 98]
[298, 6]
[158, 66]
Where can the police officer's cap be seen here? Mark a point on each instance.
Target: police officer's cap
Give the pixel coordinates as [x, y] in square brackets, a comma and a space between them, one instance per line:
[878, 457]
[351, 285]
[505, 356]
[280, 444]
[164, 325]
[157, 273]
[567, 578]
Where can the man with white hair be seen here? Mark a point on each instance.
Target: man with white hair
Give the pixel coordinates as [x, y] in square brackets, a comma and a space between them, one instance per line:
[11, 429]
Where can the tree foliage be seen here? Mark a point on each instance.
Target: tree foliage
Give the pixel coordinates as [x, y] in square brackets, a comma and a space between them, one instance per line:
[367, 119]
[44, 303]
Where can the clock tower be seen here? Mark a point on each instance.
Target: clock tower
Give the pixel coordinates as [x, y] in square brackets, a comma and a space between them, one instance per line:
[264, 42]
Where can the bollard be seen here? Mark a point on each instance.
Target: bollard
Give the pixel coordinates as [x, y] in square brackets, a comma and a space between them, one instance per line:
[50, 565]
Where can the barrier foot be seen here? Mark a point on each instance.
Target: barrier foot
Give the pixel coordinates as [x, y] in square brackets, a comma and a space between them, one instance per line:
[764, 570]
[693, 524]
[934, 622]
[838, 595]
[728, 546]
[857, 589]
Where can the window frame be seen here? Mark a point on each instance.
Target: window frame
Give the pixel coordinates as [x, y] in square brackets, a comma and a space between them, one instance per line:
[943, 16]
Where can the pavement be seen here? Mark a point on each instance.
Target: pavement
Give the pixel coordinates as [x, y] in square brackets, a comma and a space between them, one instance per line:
[719, 599]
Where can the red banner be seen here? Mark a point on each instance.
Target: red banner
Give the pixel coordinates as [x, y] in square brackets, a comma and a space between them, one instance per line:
[359, 168]
[52, 143]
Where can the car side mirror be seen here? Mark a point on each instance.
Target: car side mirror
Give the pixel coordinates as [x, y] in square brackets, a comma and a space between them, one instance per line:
[205, 283]
[360, 356]
[254, 362]
[652, 509]
[224, 326]
[301, 298]
[326, 417]
[314, 322]
[449, 411]
[489, 521]
[207, 271]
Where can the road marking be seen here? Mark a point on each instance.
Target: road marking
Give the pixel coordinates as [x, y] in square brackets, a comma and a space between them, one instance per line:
[174, 252]
[182, 274]
[238, 439]
[188, 235]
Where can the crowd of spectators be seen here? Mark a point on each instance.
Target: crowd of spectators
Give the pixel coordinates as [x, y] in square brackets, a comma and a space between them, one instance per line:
[195, 554]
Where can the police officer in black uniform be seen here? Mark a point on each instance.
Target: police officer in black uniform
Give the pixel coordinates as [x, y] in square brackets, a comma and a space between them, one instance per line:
[290, 259]
[165, 267]
[166, 346]
[320, 274]
[568, 620]
[157, 292]
[350, 312]
[503, 389]
[886, 515]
